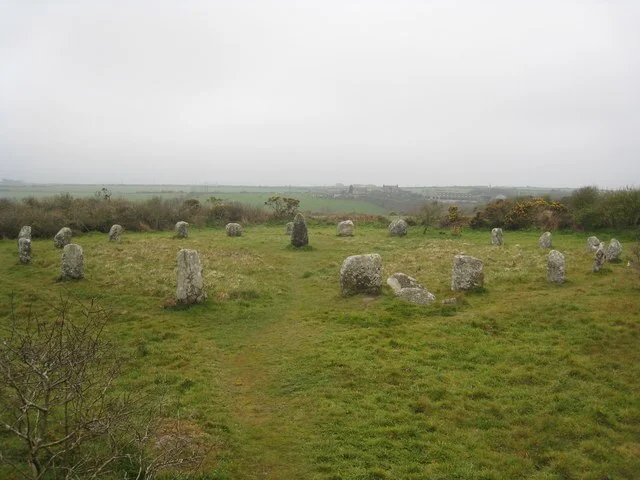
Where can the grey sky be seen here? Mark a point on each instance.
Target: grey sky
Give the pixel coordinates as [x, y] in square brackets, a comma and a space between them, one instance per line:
[510, 92]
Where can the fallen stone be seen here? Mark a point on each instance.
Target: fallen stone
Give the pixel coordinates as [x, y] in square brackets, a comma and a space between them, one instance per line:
[555, 267]
[467, 273]
[72, 262]
[408, 288]
[361, 274]
[345, 228]
[190, 288]
[63, 237]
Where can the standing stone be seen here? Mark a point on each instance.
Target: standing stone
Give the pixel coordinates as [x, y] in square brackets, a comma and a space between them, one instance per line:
[190, 282]
[599, 258]
[408, 288]
[288, 228]
[496, 237]
[24, 250]
[63, 237]
[233, 229]
[614, 250]
[182, 229]
[555, 267]
[299, 235]
[467, 273]
[361, 274]
[345, 229]
[25, 232]
[115, 232]
[545, 240]
[72, 262]
[592, 244]
[398, 228]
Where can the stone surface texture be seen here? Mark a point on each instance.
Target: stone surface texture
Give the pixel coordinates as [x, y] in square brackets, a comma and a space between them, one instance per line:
[555, 267]
[299, 235]
[72, 262]
[182, 230]
[345, 228]
[467, 273]
[233, 229]
[407, 287]
[25, 232]
[63, 237]
[545, 240]
[190, 288]
[592, 244]
[599, 258]
[613, 250]
[24, 250]
[398, 228]
[496, 237]
[361, 274]
[114, 232]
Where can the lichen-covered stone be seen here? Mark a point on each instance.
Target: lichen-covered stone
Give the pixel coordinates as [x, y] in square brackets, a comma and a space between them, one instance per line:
[233, 230]
[24, 250]
[345, 228]
[555, 267]
[398, 228]
[408, 288]
[115, 232]
[72, 262]
[190, 288]
[613, 250]
[288, 228]
[496, 237]
[545, 240]
[182, 229]
[63, 237]
[592, 244]
[361, 274]
[599, 258]
[25, 232]
[299, 235]
[467, 273]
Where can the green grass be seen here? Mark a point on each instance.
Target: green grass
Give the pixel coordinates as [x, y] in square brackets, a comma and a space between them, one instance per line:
[287, 379]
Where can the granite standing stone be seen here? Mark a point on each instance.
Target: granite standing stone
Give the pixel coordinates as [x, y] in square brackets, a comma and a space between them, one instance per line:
[407, 287]
[115, 232]
[599, 258]
[398, 228]
[25, 232]
[467, 273]
[496, 237]
[182, 229]
[361, 274]
[24, 250]
[592, 244]
[545, 240]
[233, 230]
[299, 235]
[614, 250]
[555, 267]
[190, 288]
[72, 262]
[345, 228]
[63, 237]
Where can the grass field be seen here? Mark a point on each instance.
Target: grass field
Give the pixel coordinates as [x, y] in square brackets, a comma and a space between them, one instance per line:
[286, 379]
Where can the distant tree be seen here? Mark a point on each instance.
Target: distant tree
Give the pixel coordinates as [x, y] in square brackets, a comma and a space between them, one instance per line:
[430, 214]
[283, 207]
[103, 194]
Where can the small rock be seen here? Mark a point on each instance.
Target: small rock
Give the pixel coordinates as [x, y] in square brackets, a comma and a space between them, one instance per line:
[361, 274]
[63, 237]
[233, 229]
[398, 228]
[115, 232]
[182, 230]
[545, 240]
[555, 267]
[496, 237]
[345, 228]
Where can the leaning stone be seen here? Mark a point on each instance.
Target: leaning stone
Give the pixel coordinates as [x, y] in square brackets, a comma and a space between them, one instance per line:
[496, 236]
[25, 232]
[398, 228]
[361, 274]
[24, 250]
[299, 235]
[467, 273]
[190, 288]
[408, 288]
[288, 229]
[613, 250]
[63, 237]
[545, 240]
[72, 262]
[555, 267]
[115, 232]
[182, 229]
[345, 229]
[233, 229]
[592, 244]
[599, 258]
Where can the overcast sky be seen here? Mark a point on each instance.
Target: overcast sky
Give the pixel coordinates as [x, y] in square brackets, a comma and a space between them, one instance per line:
[542, 93]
